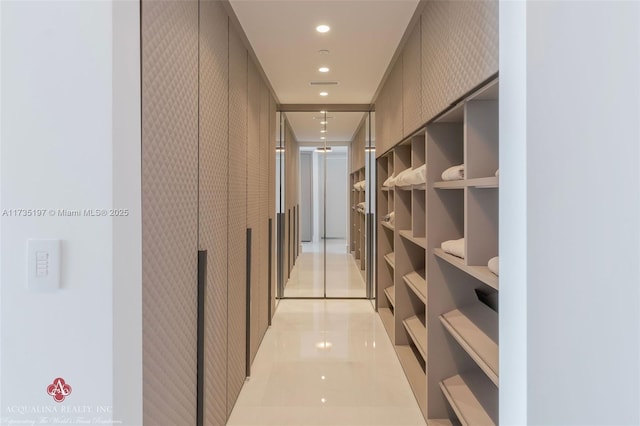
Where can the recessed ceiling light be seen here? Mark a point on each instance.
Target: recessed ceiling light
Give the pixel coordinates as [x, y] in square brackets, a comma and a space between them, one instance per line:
[323, 122]
[323, 131]
[322, 28]
[322, 138]
[324, 93]
[323, 69]
[323, 112]
[323, 51]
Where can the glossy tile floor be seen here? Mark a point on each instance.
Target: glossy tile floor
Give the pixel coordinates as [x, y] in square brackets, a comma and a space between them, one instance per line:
[344, 277]
[326, 362]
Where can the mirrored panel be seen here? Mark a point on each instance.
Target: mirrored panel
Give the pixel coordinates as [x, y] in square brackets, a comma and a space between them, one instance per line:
[326, 207]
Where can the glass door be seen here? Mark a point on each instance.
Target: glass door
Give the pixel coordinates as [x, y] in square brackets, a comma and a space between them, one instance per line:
[326, 213]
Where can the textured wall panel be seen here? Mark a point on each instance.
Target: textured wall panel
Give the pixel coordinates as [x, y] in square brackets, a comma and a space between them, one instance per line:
[435, 58]
[169, 209]
[357, 148]
[253, 199]
[263, 248]
[395, 112]
[214, 157]
[237, 218]
[412, 82]
[473, 45]
[273, 131]
[382, 141]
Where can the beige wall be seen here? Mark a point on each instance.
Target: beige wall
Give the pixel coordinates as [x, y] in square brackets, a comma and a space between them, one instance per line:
[207, 156]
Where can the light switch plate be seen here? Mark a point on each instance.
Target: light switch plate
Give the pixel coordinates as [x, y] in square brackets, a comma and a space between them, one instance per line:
[43, 265]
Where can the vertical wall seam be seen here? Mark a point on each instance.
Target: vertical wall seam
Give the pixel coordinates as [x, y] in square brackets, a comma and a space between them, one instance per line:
[226, 394]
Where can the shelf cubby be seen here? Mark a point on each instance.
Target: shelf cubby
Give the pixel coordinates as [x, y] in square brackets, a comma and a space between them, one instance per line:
[418, 333]
[391, 259]
[475, 328]
[467, 395]
[390, 292]
[481, 273]
[416, 281]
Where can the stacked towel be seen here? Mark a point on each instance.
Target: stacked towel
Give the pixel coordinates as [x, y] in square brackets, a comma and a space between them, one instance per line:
[361, 206]
[454, 173]
[360, 186]
[498, 173]
[493, 265]
[412, 176]
[454, 247]
[390, 182]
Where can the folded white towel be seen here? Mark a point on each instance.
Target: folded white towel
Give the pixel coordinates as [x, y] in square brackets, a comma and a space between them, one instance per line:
[361, 205]
[498, 173]
[390, 182]
[360, 186]
[454, 173]
[413, 176]
[454, 247]
[399, 179]
[493, 265]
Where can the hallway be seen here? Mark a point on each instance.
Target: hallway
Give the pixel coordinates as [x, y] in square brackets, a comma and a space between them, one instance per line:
[326, 362]
[344, 278]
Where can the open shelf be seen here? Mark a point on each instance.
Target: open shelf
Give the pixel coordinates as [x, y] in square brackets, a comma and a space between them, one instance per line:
[419, 187]
[451, 184]
[387, 225]
[485, 182]
[467, 394]
[481, 273]
[419, 241]
[415, 375]
[391, 259]
[418, 333]
[391, 295]
[386, 315]
[475, 328]
[417, 283]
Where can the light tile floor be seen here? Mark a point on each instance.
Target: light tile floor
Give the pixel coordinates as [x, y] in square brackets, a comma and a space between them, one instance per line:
[344, 278]
[326, 362]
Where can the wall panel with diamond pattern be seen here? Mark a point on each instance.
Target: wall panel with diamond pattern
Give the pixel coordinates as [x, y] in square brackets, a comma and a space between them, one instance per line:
[169, 210]
[473, 45]
[237, 218]
[253, 198]
[214, 157]
[435, 58]
[412, 82]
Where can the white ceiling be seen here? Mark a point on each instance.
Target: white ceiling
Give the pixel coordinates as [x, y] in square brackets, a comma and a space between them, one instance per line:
[340, 125]
[364, 36]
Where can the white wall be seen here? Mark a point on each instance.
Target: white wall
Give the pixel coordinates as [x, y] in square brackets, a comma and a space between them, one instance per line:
[570, 169]
[71, 140]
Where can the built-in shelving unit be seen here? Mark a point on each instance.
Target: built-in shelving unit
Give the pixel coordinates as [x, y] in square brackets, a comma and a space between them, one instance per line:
[445, 336]
[358, 216]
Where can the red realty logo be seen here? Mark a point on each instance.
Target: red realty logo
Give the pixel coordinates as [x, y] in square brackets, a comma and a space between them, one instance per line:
[59, 390]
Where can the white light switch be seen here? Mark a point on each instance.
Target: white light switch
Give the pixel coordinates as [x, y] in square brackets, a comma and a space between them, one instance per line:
[43, 264]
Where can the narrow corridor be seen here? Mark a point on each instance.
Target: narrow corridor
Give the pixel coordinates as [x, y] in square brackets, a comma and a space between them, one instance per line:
[326, 362]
